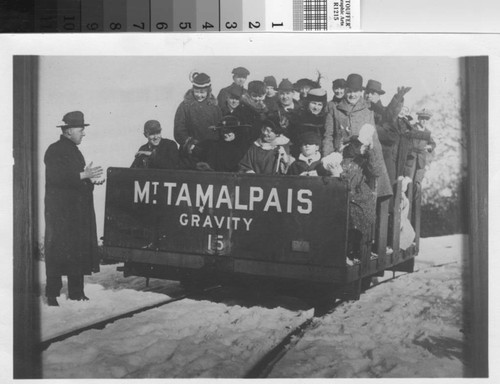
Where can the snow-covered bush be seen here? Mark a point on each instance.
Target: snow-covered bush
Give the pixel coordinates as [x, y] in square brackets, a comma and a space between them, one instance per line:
[443, 186]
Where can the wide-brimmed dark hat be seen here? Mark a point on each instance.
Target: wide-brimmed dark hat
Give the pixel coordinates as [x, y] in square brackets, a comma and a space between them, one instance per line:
[285, 86]
[309, 138]
[273, 125]
[270, 81]
[354, 82]
[316, 94]
[230, 122]
[305, 83]
[257, 87]
[424, 114]
[151, 127]
[338, 83]
[374, 86]
[73, 119]
[241, 72]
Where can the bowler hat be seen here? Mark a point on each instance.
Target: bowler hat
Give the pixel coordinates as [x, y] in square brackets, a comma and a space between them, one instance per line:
[73, 120]
[338, 83]
[241, 72]
[151, 127]
[424, 114]
[374, 86]
[285, 86]
[309, 138]
[200, 80]
[354, 82]
[270, 81]
[316, 94]
[256, 86]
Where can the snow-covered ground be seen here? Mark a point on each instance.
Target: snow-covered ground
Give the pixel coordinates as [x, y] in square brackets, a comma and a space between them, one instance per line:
[407, 327]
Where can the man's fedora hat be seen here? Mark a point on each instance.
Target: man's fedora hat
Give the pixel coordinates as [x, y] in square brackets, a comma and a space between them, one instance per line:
[374, 86]
[73, 120]
[354, 82]
[285, 86]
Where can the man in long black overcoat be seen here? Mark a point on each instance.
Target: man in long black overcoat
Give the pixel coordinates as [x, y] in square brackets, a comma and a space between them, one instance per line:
[70, 226]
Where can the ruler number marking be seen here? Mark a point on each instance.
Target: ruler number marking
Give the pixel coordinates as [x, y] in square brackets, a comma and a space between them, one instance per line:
[92, 26]
[142, 26]
[185, 25]
[231, 25]
[161, 25]
[254, 25]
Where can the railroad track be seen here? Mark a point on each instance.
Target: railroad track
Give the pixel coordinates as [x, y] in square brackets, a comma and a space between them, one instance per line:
[102, 323]
[265, 365]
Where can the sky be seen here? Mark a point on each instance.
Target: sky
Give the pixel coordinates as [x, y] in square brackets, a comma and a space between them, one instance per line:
[118, 94]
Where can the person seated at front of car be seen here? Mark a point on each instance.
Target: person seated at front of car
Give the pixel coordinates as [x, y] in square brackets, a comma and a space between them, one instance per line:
[270, 154]
[240, 75]
[253, 111]
[310, 119]
[225, 154]
[157, 153]
[309, 161]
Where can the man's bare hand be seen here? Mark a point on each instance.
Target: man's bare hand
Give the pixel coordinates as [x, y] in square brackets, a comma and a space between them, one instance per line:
[91, 172]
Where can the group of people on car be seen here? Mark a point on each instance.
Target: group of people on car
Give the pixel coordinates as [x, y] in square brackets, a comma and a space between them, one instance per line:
[292, 129]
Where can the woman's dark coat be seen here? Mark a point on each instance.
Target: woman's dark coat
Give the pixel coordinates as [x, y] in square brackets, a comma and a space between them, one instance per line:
[193, 119]
[361, 173]
[70, 227]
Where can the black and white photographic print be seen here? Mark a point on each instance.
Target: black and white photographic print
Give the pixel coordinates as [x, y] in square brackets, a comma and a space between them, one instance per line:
[252, 206]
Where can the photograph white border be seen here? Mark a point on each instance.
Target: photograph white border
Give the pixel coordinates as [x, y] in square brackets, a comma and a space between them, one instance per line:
[286, 44]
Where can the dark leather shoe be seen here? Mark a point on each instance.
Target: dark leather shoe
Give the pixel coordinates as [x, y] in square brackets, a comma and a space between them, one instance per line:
[52, 301]
[81, 297]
